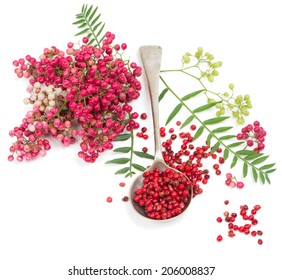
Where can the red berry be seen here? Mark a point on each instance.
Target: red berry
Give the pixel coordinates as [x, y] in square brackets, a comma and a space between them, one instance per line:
[109, 199]
[178, 123]
[219, 219]
[260, 241]
[193, 127]
[226, 202]
[144, 149]
[122, 184]
[219, 238]
[143, 116]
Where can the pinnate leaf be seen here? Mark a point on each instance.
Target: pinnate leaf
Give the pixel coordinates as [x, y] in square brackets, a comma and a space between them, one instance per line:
[253, 156]
[255, 174]
[187, 121]
[260, 160]
[226, 154]
[222, 129]
[261, 176]
[122, 170]
[198, 132]
[234, 161]
[192, 94]
[82, 32]
[226, 137]
[205, 107]
[123, 137]
[118, 161]
[215, 120]
[122, 150]
[209, 139]
[245, 169]
[138, 167]
[235, 144]
[267, 166]
[215, 147]
[143, 155]
[163, 93]
[174, 112]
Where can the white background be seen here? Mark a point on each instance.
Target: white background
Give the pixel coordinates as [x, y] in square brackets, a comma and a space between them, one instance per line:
[53, 213]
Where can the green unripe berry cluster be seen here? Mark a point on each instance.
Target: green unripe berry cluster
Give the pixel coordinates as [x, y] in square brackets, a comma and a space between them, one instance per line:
[204, 62]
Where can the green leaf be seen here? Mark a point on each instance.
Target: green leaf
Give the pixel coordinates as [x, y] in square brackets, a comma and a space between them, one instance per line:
[253, 156]
[209, 139]
[130, 174]
[261, 176]
[118, 161]
[163, 93]
[138, 167]
[192, 94]
[89, 11]
[234, 161]
[270, 170]
[82, 25]
[188, 120]
[259, 160]
[267, 166]
[255, 174]
[267, 179]
[79, 16]
[122, 150]
[82, 32]
[79, 21]
[93, 13]
[205, 107]
[123, 137]
[215, 120]
[227, 137]
[91, 42]
[226, 154]
[222, 129]
[95, 20]
[84, 8]
[99, 32]
[143, 155]
[244, 152]
[245, 169]
[174, 112]
[198, 132]
[122, 171]
[215, 147]
[235, 144]
[96, 26]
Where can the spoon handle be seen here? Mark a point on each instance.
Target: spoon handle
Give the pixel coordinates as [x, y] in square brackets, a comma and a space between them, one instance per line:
[151, 57]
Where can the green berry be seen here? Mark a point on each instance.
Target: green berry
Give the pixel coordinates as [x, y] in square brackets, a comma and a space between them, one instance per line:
[231, 106]
[218, 113]
[222, 111]
[219, 63]
[186, 59]
[226, 94]
[240, 120]
[235, 114]
[215, 73]
[211, 100]
[247, 97]
[218, 105]
[210, 78]
[231, 86]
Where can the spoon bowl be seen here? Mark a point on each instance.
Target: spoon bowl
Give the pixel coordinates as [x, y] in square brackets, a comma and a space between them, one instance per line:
[151, 59]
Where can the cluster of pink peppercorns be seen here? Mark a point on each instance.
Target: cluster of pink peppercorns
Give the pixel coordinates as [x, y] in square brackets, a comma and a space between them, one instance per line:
[249, 218]
[232, 182]
[253, 134]
[81, 93]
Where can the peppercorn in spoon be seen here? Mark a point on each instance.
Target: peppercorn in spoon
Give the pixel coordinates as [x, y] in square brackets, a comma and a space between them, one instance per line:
[161, 192]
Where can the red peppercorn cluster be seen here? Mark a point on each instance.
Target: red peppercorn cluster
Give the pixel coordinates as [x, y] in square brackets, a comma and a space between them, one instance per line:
[249, 222]
[164, 194]
[253, 134]
[188, 160]
[83, 92]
